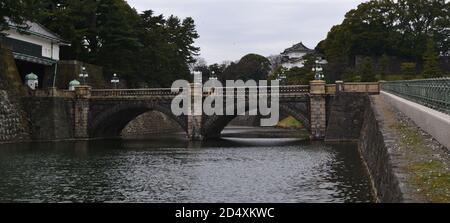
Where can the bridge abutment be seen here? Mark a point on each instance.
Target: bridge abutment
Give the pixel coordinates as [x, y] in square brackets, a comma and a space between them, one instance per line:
[194, 119]
[318, 109]
[194, 127]
[81, 114]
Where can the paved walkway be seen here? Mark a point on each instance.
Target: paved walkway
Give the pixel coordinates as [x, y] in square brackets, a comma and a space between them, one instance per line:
[422, 164]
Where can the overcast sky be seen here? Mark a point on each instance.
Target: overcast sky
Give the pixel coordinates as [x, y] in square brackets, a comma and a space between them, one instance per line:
[229, 29]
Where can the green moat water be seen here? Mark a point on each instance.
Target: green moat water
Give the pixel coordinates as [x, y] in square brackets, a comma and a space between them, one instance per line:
[171, 169]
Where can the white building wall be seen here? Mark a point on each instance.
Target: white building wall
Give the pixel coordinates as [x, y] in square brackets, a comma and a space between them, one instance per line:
[45, 43]
[294, 56]
[289, 65]
[55, 52]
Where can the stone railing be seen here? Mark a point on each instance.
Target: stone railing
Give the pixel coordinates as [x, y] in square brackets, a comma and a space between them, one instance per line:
[330, 89]
[283, 91]
[291, 90]
[433, 93]
[319, 87]
[52, 92]
[153, 92]
[316, 87]
[361, 87]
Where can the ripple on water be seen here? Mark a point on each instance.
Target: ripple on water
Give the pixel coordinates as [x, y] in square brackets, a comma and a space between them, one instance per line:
[231, 170]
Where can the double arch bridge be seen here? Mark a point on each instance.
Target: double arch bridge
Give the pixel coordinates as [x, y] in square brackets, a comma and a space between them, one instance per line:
[99, 113]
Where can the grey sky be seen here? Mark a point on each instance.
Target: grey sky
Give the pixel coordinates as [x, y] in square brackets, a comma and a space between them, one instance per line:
[229, 29]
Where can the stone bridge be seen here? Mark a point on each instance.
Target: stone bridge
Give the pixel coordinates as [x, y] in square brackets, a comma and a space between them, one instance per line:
[98, 113]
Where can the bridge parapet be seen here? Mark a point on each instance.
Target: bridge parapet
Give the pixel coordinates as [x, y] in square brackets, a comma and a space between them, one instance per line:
[433, 93]
[361, 87]
[283, 91]
[330, 89]
[150, 92]
[53, 92]
[83, 92]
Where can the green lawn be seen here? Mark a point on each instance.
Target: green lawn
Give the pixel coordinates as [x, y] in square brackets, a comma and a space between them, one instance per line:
[290, 122]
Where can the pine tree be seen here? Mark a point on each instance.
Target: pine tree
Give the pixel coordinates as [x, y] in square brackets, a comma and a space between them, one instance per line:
[384, 65]
[366, 70]
[408, 69]
[144, 49]
[16, 11]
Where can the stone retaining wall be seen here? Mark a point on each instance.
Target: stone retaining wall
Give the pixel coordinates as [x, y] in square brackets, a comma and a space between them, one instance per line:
[11, 126]
[51, 118]
[354, 117]
[345, 117]
[375, 145]
[13, 123]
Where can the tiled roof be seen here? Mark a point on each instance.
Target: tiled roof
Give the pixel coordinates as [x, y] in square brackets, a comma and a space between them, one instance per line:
[299, 47]
[37, 29]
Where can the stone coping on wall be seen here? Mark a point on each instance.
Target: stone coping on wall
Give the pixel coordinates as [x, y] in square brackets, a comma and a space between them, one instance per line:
[431, 121]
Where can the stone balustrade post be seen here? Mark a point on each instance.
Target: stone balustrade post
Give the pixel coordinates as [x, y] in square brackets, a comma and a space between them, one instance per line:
[318, 109]
[81, 111]
[339, 86]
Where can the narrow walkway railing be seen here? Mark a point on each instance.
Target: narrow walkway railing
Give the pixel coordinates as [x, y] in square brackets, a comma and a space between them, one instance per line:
[433, 93]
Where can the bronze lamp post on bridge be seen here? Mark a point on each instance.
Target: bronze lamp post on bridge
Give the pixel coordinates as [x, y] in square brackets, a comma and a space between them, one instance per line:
[318, 68]
[115, 81]
[84, 75]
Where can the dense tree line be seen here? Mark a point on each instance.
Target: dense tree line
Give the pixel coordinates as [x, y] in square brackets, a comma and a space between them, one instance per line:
[140, 47]
[249, 67]
[17, 11]
[413, 30]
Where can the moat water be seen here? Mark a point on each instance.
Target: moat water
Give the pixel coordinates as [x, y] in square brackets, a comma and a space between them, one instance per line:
[236, 168]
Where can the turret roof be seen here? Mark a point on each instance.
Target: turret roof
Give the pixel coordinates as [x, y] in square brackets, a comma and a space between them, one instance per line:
[299, 47]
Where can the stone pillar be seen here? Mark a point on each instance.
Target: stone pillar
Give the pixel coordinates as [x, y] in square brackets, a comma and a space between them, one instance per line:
[81, 111]
[318, 109]
[339, 86]
[194, 119]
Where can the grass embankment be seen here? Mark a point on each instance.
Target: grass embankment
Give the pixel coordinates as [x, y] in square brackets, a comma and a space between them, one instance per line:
[429, 175]
[290, 123]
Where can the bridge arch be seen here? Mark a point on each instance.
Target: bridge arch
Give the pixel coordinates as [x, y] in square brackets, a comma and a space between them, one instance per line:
[214, 125]
[111, 121]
